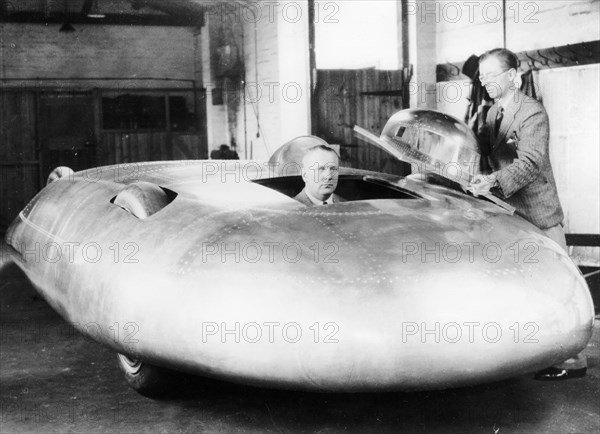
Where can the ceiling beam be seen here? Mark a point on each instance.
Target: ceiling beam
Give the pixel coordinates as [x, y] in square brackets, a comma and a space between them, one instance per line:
[108, 19]
[173, 7]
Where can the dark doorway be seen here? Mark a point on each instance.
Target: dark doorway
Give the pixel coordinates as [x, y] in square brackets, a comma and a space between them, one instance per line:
[67, 132]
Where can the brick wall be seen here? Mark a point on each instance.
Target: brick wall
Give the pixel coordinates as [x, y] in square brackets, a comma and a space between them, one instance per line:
[38, 51]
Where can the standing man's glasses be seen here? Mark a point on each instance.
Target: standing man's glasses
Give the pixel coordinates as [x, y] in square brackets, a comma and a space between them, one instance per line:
[490, 75]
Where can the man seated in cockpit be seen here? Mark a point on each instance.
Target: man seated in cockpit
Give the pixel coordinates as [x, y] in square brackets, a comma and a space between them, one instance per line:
[320, 171]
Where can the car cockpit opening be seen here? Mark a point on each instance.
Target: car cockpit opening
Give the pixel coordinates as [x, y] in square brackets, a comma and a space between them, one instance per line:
[350, 187]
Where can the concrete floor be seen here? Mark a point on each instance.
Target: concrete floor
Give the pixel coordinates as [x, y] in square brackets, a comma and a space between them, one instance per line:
[52, 379]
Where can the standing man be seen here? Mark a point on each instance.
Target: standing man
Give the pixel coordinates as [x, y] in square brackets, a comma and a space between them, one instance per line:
[516, 164]
[320, 166]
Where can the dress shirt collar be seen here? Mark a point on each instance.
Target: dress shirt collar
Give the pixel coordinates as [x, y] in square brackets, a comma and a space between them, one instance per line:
[513, 98]
[316, 201]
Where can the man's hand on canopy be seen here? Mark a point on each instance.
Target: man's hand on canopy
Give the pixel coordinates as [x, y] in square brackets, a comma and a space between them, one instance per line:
[481, 184]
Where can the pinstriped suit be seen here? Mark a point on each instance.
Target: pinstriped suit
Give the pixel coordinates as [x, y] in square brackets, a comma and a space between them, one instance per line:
[520, 153]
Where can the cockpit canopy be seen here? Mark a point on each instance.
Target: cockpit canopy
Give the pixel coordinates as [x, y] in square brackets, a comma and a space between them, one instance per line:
[434, 141]
[287, 159]
[429, 140]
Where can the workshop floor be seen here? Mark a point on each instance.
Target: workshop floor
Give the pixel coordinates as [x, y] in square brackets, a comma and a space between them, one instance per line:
[52, 379]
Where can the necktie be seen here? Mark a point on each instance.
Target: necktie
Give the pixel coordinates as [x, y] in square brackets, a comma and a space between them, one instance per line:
[498, 122]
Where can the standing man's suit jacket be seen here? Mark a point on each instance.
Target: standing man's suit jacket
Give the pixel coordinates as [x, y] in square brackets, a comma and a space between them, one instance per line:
[302, 197]
[520, 153]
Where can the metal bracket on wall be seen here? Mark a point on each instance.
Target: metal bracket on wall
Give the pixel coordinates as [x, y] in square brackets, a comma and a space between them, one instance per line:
[584, 53]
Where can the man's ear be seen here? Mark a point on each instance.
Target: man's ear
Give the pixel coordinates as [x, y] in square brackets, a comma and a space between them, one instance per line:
[304, 174]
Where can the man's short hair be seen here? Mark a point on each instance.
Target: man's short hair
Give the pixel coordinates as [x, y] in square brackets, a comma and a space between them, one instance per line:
[320, 147]
[508, 59]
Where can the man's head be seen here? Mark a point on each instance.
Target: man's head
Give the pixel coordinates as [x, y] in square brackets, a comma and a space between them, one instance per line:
[320, 166]
[497, 71]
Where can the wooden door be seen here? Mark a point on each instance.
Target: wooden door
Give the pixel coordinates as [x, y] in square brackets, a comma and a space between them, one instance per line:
[364, 97]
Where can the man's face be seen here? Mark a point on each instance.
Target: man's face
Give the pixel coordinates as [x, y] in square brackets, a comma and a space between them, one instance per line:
[320, 173]
[495, 77]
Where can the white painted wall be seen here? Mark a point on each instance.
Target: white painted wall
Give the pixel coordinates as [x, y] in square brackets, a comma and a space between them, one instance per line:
[351, 34]
[571, 97]
[263, 84]
[216, 116]
[422, 54]
[294, 76]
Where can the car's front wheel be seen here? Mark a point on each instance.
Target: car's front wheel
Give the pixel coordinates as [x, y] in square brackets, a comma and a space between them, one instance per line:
[146, 379]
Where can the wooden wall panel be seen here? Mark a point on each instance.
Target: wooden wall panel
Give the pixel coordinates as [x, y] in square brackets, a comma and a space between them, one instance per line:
[364, 97]
[19, 167]
[18, 185]
[126, 147]
[18, 128]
